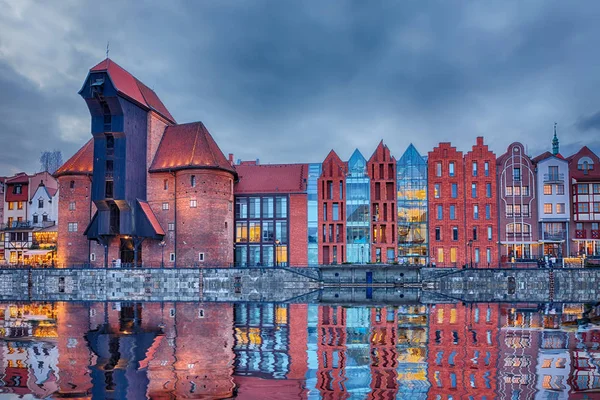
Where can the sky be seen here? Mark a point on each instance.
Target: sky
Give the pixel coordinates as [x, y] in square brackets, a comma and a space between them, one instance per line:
[287, 81]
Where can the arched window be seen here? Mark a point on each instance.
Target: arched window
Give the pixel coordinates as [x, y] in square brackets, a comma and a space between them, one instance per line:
[585, 164]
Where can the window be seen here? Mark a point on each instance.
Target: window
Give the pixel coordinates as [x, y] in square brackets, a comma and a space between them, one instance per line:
[281, 207]
[488, 255]
[594, 226]
[488, 211]
[281, 231]
[268, 232]
[201, 257]
[582, 188]
[72, 226]
[324, 211]
[193, 184]
[440, 255]
[486, 168]
[474, 233]
[474, 168]
[548, 189]
[560, 208]
[525, 210]
[440, 213]
[452, 212]
[489, 233]
[19, 205]
[11, 205]
[72, 206]
[553, 173]
[241, 231]
[597, 207]
[108, 189]
[560, 189]
[92, 257]
[547, 208]
[509, 210]
[193, 203]
[268, 205]
[40, 203]
[35, 218]
[583, 207]
[453, 254]
[525, 190]
[172, 259]
[454, 233]
[477, 261]
[241, 207]
[438, 233]
[166, 184]
[45, 217]
[171, 226]
[488, 190]
[436, 191]
[451, 169]
[596, 188]
[254, 231]
[508, 190]
[454, 193]
[72, 184]
[517, 190]
[341, 190]
[438, 169]
[18, 189]
[474, 190]
[165, 206]
[335, 212]
[517, 174]
[475, 211]
[254, 207]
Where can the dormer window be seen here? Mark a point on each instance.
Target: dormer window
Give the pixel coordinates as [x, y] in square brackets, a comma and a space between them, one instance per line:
[40, 203]
[18, 189]
[585, 164]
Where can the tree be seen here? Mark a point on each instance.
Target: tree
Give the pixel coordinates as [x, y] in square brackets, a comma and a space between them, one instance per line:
[50, 161]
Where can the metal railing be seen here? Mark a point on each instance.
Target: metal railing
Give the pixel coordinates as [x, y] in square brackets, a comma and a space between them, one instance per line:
[27, 225]
[554, 177]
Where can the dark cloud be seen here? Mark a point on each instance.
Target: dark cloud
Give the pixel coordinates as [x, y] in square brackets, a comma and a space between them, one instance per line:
[288, 81]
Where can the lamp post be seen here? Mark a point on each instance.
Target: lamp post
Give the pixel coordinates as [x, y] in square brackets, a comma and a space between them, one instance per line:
[162, 245]
[471, 252]
[277, 244]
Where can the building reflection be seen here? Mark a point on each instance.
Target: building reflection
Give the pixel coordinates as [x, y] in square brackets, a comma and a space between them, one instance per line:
[297, 351]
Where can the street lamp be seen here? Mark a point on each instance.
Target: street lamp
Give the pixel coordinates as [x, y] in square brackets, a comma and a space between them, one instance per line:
[162, 245]
[277, 244]
[471, 251]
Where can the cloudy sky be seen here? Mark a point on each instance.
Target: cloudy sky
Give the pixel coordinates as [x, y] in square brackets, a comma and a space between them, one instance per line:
[287, 82]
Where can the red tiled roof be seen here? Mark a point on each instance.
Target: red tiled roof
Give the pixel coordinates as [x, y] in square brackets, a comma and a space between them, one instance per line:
[189, 146]
[82, 162]
[151, 218]
[131, 87]
[271, 178]
[21, 177]
[545, 155]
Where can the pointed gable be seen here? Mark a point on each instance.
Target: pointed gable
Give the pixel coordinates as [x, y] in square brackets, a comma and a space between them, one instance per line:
[189, 146]
[130, 87]
[333, 166]
[381, 154]
[584, 165]
[357, 164]
[82, 162]
[412, 164]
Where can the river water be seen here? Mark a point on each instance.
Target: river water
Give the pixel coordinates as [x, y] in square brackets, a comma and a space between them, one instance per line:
[299, 351]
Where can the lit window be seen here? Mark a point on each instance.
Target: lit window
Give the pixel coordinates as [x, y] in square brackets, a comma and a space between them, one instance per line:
[508, 190]
[19, 205]
[547, 208]
[453, 254]
[11, 205]
[509, 210]
[548, 189]
[165, 206]
[440, 255]
[525, 190]
[560, 208]
[171, 226]
[436, 191]
[193, 203]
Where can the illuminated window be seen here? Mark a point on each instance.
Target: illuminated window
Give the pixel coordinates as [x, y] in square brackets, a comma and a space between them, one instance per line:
[11, 205]
[19, 205]
[453, 315]
[453, 254]
[440, 255]
[560, 208]
[254, 231]
[436, 191]
[508, 190]
[165, 206]
[440, 316]
[548, 189]
[547, 208]
[241, 231]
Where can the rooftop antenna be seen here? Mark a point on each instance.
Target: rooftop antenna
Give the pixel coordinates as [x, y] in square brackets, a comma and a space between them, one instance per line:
[107, 51]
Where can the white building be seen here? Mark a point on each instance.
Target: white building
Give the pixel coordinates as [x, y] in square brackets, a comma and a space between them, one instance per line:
[43, 208]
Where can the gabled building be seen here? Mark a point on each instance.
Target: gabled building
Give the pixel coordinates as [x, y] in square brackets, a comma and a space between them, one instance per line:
[554, 206]
[358, 205]
[517, 207]
[584, 176]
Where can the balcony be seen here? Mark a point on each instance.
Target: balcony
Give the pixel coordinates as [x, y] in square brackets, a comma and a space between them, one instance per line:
[554, 178]
[16, 225]
[559, 235]
[595, 234]
[580, 234]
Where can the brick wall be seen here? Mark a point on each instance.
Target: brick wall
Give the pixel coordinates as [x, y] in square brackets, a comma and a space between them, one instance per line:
[156, 129]
[298, 227]
[156, 197]
[334, 176]
[445, 154]
[72, 247]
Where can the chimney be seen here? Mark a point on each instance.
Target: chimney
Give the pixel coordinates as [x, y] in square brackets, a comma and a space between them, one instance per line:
[231, 158]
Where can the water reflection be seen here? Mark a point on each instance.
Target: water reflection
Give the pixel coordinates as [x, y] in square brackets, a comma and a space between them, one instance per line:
[298, 351]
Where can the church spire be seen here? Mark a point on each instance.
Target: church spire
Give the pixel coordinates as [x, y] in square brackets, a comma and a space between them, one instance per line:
[555, 142]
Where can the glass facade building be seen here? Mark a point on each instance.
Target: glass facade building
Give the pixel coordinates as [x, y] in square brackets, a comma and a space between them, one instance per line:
[261, 230]
[314, 171]
[412, 208]
[358, 202]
